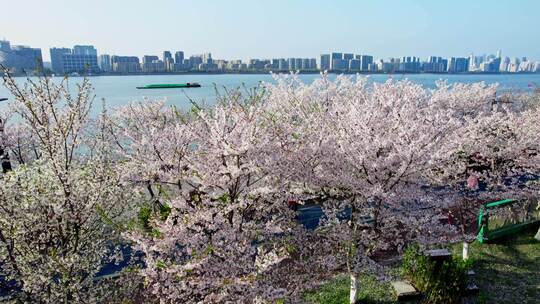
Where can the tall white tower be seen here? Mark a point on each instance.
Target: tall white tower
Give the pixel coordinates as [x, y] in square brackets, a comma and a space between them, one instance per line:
[472, 62]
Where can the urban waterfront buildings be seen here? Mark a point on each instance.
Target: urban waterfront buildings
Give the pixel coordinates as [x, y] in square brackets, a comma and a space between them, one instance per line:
[79, 63]
[324, 62]
[125, 64]
[84, 50]
[179, 57]
[458, 65]
[84, 59]
[20, 58]
[56, 59]
[435, 64]
[366, 62]
[152, 64]
[105, 64]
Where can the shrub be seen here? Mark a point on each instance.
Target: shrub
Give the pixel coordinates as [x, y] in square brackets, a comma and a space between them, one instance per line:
[440, 282]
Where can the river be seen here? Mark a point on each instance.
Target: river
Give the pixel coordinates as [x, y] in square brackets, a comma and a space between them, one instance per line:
[121, 90]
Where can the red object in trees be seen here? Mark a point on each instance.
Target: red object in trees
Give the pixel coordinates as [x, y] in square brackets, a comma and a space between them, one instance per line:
[472, 182]
[293, 204]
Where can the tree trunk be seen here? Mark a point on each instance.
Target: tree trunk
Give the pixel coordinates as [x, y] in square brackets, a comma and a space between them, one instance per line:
[4, 156]
[465, 250]
[353, 295]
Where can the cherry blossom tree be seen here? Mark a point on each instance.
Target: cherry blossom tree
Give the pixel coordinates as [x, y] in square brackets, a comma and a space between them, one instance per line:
[215, 174]
[363, 147]
[496, 145]
[213, 193]
[61, 212]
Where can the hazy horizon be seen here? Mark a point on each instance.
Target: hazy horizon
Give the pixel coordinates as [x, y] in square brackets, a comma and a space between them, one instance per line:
[242, 29]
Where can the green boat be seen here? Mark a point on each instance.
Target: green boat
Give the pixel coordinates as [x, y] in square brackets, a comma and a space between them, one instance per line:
[171, 85]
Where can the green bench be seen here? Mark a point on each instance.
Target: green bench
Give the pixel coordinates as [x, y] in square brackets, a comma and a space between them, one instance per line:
[494, 223]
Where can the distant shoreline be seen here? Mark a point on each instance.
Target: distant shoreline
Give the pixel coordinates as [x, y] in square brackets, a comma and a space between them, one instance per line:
[281, 72]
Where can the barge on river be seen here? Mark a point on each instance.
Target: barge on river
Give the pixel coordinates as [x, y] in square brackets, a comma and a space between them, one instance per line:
[171, 85]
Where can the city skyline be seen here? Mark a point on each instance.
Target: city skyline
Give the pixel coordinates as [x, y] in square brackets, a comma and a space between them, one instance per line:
[279, 28]
[85, 59]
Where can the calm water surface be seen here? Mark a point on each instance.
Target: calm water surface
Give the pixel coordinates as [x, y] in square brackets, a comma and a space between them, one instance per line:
[121, 90]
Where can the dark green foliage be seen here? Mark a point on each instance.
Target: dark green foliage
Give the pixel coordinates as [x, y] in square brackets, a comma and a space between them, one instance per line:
[164, 211]
[439, 282]
[145, 214]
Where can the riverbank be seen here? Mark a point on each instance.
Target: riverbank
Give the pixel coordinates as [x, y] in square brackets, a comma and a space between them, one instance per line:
[261, 72]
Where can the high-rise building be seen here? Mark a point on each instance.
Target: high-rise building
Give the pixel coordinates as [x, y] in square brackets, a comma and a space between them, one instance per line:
[505, 63]
[365, 62]
[306, 65]
[495, 65]
[386, 66]
[452, 65]
[513, 66]
[236, 65]
[434, 64]
[444, 64]
[167, 56]
[283, 65]
[179, 57]
[256, 64]
[312, 63]
[125, 64]
[337, 56]
[168, 61]
[537, 67]
[275, 64]
[458, 65]
[210, 66]
[81, 59]
[340, 64]
[462, 65]
[221, 64]
[336, 61]
[298, 63]
[56, 59]
[492, 65]
[82, 64]
[5, 46]
[149, 58]
[409, 64]
[324, 64]
[354, 64]
[472, 63]
[20, 57]
[187, 64]
[152, 64]
[195, 61]
[207, 58]
[105, 63]
[84, 50]
[292, 64]
[527, 66]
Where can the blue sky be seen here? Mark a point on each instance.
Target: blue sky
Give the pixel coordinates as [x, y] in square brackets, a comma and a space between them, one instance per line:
[241, 29]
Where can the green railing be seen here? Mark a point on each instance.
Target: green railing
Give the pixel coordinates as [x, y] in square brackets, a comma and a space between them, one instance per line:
[506, 217]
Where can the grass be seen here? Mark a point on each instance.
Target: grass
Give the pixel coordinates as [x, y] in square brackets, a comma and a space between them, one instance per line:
[337, 291]
[507, 271]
